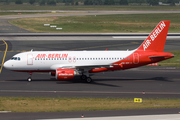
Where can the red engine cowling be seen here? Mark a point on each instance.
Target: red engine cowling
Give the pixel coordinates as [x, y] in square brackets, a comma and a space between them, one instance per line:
[65, 74]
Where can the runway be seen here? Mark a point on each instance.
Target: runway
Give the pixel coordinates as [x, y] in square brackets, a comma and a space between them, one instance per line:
[156, 82]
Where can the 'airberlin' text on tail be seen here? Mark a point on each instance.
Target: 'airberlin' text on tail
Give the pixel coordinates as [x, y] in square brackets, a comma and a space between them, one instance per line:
[154, 34]
[156, 40]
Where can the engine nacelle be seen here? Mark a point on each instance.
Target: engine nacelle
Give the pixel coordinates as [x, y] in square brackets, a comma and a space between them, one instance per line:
[65, 74]
[52, 73]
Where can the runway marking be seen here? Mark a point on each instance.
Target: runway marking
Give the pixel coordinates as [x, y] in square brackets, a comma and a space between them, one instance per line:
[91, 92]
[136, 117]
[134, 79]
[2, 44]
[100, 46]
[5, 111]
[129, 37]
[4, 55]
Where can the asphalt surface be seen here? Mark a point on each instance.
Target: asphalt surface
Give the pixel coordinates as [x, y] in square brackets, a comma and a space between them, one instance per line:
[86, 114]
[157, 82]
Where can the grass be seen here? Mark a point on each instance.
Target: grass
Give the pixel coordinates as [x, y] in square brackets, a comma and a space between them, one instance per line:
[135, 23]
[84, 7]
[173, 61]
[25, 104]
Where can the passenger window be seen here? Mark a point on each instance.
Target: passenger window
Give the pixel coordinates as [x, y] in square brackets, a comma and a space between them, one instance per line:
[82, 58]
[15, 58]
[19, 58]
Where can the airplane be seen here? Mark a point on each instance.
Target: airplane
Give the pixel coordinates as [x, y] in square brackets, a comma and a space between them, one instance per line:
[64, 65]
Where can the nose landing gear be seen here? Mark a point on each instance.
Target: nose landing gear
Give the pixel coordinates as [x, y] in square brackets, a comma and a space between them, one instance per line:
[29, 78]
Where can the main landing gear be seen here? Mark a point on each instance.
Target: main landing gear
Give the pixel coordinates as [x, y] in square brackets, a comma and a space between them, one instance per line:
[29, 78]
[87, 79]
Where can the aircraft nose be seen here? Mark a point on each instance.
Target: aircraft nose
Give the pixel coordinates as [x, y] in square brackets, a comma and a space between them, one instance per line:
[6, 65]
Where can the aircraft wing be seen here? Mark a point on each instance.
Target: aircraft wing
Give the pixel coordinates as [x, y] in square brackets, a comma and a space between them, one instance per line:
[59, 66]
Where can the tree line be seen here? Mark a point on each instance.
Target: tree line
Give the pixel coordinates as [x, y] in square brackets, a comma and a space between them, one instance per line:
[91, 2]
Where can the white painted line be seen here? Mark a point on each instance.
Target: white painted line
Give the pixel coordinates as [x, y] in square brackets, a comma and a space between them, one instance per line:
[5, 111]
[138, 37]
[53, 26]
[129, 37]
[97, 92]
[58, 28]
[138, 117]
[46, 24]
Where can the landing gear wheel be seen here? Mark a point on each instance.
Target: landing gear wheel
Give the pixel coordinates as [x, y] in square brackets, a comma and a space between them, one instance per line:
[83, 77]
[29, 79]
[88, 80]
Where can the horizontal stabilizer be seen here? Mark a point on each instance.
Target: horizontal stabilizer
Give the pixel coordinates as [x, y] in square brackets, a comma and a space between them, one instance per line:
[161, 56]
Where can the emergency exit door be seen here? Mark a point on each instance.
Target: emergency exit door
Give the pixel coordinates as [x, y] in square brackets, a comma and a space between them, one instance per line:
[135, 58]
[29, 59]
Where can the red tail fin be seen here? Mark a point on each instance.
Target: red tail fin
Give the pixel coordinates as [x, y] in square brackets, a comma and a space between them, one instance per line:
[156, 40]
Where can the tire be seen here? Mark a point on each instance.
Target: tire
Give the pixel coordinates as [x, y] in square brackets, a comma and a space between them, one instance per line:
[29, 79]
[88, 80]
[83, 77]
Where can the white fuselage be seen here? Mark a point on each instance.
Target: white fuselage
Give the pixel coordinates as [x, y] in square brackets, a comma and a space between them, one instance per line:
[52, 60]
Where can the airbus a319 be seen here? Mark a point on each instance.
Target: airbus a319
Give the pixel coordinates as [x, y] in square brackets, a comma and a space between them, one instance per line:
[64, 65]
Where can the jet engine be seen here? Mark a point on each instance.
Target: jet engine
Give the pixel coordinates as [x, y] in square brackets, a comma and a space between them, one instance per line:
[65, 74]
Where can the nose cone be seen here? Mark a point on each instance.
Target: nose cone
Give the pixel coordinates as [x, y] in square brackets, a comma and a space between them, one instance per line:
[7, 65]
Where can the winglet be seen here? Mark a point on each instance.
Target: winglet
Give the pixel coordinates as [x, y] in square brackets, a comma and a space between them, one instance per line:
[156, 40]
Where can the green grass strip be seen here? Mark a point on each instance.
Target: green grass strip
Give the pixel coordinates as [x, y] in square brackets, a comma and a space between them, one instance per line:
[134, 23]
[36, 104]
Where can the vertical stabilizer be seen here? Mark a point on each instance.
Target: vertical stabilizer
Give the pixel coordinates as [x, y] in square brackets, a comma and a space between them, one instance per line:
[156, 40]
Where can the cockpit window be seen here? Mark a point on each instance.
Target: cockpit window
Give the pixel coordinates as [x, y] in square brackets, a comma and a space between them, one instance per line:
[15, 58]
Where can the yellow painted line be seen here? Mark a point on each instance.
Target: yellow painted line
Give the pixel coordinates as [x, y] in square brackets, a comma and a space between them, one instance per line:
[4, 55]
